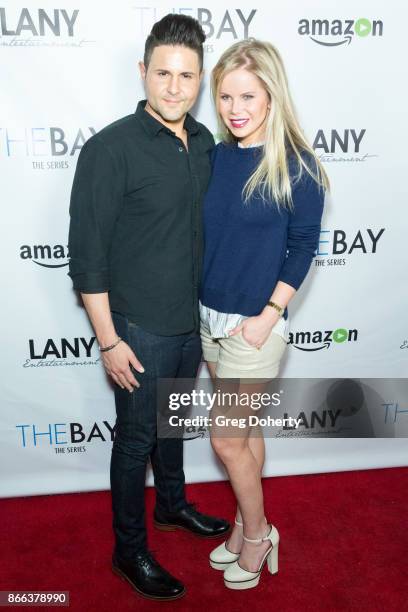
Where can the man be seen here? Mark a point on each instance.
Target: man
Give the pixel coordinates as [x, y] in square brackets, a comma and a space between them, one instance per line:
[135, 244]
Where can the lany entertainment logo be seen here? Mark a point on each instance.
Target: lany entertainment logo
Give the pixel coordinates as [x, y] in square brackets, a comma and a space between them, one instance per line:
[40, 28]
[61, 352]
[342, 146]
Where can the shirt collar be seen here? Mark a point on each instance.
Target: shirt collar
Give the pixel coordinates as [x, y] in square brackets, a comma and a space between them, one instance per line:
[153, 126]
[251, 146]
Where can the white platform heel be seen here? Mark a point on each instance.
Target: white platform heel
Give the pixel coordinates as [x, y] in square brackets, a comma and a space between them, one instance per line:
[235, 577]
[221, 557]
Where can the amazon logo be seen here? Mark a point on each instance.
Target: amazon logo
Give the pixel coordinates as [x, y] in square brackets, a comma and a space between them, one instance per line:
[45, 255]
[336, 32]
[192, 433]
[318, 340]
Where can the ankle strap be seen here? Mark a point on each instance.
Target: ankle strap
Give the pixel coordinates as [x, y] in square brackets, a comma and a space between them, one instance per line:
[259, 540]
[255, 541]
[238, 522]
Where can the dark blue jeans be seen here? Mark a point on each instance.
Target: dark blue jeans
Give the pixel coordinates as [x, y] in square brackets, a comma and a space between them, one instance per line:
[136, 434]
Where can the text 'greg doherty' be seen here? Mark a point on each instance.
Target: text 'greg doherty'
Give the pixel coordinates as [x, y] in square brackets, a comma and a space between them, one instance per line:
[209, 400]
[241, 423]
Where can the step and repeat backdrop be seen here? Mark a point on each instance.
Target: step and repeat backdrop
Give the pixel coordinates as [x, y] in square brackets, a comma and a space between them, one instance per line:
[70, 68]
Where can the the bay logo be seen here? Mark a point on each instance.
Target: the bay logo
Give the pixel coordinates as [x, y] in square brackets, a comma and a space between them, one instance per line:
[60, 435]
[39, 142]
[45, 255]
[228, 25]
[341, 242]
[336, 32]
[334, 242]
[317, 340]
[341, 145]
[52, 352]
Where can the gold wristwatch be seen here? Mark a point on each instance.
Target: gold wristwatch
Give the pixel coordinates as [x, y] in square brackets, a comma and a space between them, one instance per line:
[277, 307]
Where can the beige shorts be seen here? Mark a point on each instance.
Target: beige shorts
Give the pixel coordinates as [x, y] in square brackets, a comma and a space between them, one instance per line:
[235, 358]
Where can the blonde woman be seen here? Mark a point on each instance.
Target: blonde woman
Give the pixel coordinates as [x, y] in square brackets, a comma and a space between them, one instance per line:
[262, 216]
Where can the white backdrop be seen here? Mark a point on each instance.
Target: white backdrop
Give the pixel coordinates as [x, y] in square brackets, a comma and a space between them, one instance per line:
[66, 73]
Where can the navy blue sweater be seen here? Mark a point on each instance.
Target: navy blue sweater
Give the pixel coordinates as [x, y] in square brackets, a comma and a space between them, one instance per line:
[250, 246]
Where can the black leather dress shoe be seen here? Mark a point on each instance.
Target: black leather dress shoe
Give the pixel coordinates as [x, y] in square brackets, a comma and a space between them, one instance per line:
[190, 519]
[147, 577]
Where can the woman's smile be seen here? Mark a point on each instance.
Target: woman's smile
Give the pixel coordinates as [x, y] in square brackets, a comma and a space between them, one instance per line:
[239, 123]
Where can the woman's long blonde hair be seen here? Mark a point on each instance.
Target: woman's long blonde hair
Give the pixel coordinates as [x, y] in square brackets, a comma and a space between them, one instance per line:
[283, 134]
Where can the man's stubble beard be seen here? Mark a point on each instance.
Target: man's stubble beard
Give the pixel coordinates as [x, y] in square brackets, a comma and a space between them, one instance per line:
[168, 115]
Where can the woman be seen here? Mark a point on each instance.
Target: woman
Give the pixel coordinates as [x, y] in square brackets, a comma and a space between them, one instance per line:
[262, 216]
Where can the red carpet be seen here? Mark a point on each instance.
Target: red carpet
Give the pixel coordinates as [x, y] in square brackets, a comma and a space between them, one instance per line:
[343, 546]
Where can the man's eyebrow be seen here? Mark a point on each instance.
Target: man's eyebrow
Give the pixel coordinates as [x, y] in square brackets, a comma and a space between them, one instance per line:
[167, 70]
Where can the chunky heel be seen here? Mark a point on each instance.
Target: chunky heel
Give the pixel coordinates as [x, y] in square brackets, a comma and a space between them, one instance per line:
[236, 577]
[273, 559]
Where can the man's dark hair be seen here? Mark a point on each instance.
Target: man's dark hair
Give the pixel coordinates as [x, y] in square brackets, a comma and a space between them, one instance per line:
[176, 30]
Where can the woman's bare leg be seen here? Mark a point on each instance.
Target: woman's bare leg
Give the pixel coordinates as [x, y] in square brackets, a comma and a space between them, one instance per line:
[243, 458]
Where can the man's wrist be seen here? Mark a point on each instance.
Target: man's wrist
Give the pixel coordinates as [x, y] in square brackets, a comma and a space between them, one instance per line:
[107, 338]
[105, 349]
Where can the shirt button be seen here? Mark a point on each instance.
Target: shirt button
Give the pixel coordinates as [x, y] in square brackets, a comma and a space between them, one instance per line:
[181, 149]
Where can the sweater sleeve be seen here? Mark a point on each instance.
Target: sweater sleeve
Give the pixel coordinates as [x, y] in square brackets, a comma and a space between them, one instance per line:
[96, 200]
[303, 230]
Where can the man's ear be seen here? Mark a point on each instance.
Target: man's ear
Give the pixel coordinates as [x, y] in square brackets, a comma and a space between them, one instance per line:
[202, 75]
[142, 69]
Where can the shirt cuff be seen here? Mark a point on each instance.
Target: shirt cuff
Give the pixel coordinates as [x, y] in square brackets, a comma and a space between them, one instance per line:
[91, 282]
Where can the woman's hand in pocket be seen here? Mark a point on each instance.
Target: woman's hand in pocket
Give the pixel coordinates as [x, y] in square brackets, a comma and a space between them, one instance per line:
[255, 330]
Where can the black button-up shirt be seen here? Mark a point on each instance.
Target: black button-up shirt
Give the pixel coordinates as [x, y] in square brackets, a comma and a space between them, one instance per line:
[136, 221]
